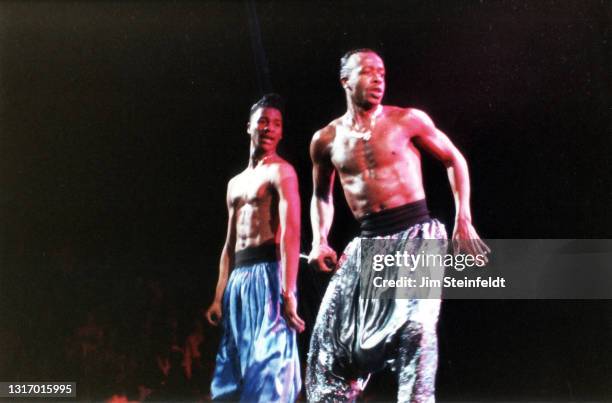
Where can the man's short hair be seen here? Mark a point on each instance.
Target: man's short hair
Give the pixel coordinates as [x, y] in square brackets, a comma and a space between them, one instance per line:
[344, 71]
[269, 101]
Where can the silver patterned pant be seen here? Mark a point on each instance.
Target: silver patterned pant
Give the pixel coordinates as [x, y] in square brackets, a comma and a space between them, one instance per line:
[354, 337]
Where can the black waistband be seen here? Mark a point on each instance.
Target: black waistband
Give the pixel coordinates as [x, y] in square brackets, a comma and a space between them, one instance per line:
[395, 219]
[266, 252]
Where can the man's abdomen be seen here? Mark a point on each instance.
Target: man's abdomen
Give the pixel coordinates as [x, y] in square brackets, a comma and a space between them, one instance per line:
[255, 226]
[378, 189]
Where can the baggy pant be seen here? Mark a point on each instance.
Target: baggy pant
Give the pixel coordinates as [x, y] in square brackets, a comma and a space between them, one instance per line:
[354, 337]
[258, 357]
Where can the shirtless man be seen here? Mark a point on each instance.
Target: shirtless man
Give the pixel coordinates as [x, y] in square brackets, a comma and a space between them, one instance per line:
[258, 356]
[373, 148]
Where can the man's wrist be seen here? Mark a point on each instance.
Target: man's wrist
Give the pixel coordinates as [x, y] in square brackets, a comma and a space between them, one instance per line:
[287, 293]
[463, 219]
[316, 244]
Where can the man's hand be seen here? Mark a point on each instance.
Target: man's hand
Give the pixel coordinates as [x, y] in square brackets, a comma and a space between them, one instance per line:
[214, 313]
[290, 312]
[466, 239]
[325, 258]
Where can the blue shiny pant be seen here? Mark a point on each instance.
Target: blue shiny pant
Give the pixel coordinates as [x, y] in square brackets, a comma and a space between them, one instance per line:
[258, 356]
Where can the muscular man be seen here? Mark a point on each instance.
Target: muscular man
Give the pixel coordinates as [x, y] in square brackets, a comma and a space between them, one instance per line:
[375, 150]
[258, 357]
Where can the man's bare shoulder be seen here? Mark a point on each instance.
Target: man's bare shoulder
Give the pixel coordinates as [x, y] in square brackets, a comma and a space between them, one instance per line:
[281, 168]
[416, 116]
[393, 111]
[398, 112]
[412, 119]
[231, 184]
[326, 134]
[235, 179]
[323, 138]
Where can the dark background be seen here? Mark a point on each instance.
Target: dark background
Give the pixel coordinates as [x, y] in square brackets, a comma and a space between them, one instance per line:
[120, 124]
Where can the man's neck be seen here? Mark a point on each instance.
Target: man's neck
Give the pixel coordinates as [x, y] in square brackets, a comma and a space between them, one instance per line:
[360, 114]
[362, 120]
[256, 157]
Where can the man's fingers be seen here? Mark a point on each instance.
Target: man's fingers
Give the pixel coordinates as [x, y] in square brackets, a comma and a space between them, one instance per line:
[293, 320]
[210, 319]
[330, 263]
[473, 247]
[478, 246]
[300, 320]
[331, 259]
[297, 323]
[479, 250]
[296, 326]
[322, 263]
[485, 250]
[213, 317]
[333, 256]
[484, 246]
[325, 258]
[481, 247]
[456, 246]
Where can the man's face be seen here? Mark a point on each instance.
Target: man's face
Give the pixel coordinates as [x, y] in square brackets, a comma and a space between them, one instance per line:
[266, 128]
[366, 81]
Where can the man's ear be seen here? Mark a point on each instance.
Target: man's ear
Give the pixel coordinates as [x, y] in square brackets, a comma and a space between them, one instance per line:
[344, 82]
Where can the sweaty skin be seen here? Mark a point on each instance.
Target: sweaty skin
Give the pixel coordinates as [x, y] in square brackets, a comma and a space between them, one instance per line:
[382, 170]
[263, 204]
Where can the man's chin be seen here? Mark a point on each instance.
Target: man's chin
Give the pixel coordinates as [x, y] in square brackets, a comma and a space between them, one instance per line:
[370, 103]
[266, 148]
[375, 100]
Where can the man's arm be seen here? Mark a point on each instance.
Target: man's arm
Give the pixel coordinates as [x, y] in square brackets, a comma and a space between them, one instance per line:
[322, 203]
[214, 312]
[289, 215]
[433, 140]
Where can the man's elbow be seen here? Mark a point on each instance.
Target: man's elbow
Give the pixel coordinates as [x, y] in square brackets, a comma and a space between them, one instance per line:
[322, 197]
[455, 160]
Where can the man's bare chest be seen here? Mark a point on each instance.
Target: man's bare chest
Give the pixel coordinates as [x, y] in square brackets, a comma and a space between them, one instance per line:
[251, 189]
[386, 145]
